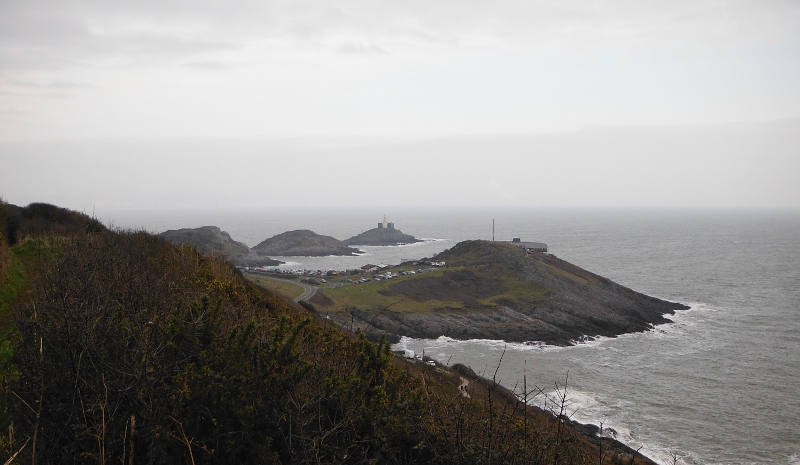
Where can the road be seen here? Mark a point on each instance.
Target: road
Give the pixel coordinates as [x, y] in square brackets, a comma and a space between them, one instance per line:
[308, 289]
[308, 292]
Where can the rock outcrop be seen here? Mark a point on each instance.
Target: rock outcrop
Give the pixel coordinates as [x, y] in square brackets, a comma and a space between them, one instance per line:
[213, 241]
[382, 236]
[303, 243]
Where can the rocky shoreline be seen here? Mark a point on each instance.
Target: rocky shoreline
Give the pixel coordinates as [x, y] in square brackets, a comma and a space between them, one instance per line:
[496, 291]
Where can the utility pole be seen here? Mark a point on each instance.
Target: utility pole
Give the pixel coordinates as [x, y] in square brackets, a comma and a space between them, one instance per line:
[492, 229]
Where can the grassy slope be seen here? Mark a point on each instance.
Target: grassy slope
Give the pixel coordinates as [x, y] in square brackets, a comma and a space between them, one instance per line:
[23, 256]
[496, 291]
[9, 290]
[279, 286]
[385, 294]
[430, 399]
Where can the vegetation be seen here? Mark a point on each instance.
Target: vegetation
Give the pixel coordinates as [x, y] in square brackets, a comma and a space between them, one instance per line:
[455, 288]
[494, 290]
[128, 349]
[213, 241]
[283, 287]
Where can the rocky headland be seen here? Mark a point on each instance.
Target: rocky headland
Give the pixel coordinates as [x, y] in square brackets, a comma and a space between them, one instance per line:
[212, 240]
[304, 243]
[382, 236]
[493, 290]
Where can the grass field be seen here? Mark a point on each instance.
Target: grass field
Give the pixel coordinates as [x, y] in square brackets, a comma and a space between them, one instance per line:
[425, 292]
[279, 286]
[366, 296]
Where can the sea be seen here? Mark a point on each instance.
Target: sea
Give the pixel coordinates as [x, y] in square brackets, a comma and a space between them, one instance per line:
[720, 384]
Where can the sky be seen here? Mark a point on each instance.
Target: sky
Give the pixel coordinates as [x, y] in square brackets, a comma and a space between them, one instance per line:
[156, 104]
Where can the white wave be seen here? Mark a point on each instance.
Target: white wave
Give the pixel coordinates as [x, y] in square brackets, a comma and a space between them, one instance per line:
[587, 408]
[584, 407]
[681, 321]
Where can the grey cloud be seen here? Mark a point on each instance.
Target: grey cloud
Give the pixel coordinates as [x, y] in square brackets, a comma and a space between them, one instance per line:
[50, 32]
[210, 64]
[51, 84]
[40, 35]
[350, 47]
[154, 46]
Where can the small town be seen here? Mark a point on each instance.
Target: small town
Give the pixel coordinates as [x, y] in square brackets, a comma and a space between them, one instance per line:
[370, 273]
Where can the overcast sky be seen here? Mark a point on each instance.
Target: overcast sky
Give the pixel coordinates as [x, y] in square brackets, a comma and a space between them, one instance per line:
[115, 104]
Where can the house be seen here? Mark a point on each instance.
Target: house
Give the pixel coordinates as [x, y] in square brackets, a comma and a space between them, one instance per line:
[529, 246]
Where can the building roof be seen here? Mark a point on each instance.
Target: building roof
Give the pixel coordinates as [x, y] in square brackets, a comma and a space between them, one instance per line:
[529, 245]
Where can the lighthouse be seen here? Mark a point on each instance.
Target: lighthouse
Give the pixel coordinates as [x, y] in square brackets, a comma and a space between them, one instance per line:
[385, 225]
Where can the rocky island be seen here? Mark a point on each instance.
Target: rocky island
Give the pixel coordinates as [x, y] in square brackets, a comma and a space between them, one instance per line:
[494, 290]
[304, 243]
[384, 234]
[213, 241]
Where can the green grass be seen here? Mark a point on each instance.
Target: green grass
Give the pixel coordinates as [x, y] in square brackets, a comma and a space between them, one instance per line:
[278, 286]
[15, 281]
[32, 248]
[23, 255]
[366, 296]
[9, 291]
[519, 291]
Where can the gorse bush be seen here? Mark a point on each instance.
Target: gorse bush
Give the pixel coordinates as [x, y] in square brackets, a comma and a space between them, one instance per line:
[130, 350]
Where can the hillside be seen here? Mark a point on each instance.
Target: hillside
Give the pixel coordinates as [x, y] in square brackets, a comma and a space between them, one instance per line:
[39, 219]
[303, 243]
[382, 236]
[213, 241]
[493, 290]
[128, 349]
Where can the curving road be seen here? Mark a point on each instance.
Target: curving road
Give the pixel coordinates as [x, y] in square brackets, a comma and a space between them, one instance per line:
[308, 289]
[308, 292]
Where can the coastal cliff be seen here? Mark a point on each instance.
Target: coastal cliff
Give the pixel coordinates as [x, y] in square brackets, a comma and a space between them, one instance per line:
[303, 243]
[212, 240]
[493, 290]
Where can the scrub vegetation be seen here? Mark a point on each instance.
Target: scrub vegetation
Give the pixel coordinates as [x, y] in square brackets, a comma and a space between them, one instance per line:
[123, 348]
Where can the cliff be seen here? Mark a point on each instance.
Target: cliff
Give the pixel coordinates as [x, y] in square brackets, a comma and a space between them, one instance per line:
[213, 241]
[303, 243]
[492, 290]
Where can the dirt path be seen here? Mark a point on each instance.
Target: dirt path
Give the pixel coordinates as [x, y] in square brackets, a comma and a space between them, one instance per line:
[463, 387]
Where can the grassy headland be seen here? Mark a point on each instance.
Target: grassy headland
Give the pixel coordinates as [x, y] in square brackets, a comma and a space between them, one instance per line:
[125, 348]
[492, 290]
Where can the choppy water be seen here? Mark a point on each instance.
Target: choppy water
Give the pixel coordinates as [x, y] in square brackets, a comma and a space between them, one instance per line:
[718, 385]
